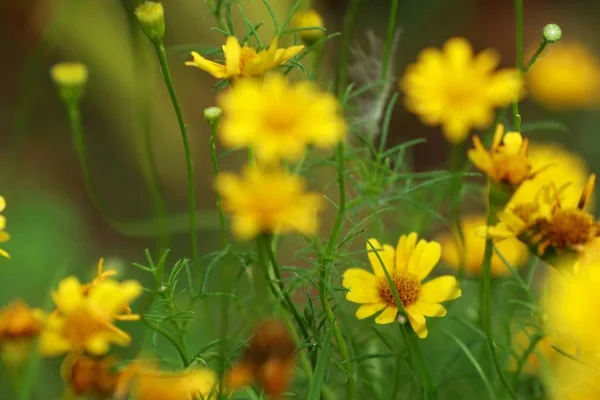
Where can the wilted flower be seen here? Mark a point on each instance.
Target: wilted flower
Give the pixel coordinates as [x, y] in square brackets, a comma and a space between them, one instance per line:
[244, 61]
[408, 265]
[95, 377]
[278, 119]
[269, 360]
[271, 201]
[458, 90]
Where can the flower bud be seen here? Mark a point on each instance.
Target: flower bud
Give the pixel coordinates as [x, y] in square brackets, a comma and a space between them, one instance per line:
[212, 115]
[552, 33]
[70, 79]
[151, 17]
[306, 19]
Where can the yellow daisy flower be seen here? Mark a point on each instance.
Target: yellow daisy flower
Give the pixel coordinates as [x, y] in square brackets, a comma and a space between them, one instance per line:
[470, 252]
[408, 265]
[244, 61]
[268, 202]
[144, 381]
[458, 90]
[278, 119]
[4, 236]
[566, 76]
[83, 319]
[507, 161]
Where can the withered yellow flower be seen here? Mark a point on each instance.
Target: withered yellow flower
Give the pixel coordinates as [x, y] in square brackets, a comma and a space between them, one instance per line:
[307, 19]
[507, 161]
[408, 265]
[269, 360]
[19, 325]
[4, 236]
[548, 227]
[458, 90]
[143, 381]
[469, 252]
[83, 319]
[244, 61]
[278, 119]
[90, 376]
[566, 76]
[272, 201]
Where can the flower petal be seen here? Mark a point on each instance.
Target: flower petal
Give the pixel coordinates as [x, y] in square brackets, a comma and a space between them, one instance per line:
[417, 321]
[422, 260]
[215, 69]
[367, 310]
[430, 309]
[69, 295]
[385, 252]
[233, 51]
[405, 247]
[387, 316]
[440, 289]
[2, 203]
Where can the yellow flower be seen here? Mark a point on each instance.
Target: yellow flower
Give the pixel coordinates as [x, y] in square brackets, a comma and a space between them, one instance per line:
[4, 236]
[307, 19]
[93, 377]
[568, 76]
[83, 319]
[143, 381]
[455, 253]
[19, 325]
[458, 90]
[268, 202]
[408, 265]
[244, 61]
[278, 119]
[549, 227]
[69, 74]
[507, 161]
[566, 170]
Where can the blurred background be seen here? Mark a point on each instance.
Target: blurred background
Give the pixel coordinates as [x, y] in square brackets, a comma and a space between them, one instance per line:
[55, 226]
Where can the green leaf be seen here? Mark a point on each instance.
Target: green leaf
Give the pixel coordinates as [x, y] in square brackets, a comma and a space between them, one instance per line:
[544, 126]
[314, 392]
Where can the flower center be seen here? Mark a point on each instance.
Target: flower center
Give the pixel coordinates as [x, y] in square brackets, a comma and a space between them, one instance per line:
[407, 285]
[81, 325]
[247, 54]
[570, 227]
[512, 169]
[525, 211]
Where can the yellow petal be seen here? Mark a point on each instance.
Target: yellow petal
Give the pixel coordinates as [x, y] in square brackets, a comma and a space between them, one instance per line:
[215, 69]
[440, 289]
[358, 277]
[385, 252]
[587, 192]
[417, 322]
[406, 245]
[2, 203]
[363, 295]
[458, 52]
[233, 51]
[52, 343]
[69, 295]
[3, 253]
[480, 157]
[97, 345]
[430, 309]
[497, 140]
[422, 260]
[387, 316]
[513, 141]
[112, 296]
[367, 310]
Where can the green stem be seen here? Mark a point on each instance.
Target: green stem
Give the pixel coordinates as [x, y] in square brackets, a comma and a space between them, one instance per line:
[486, 296]
[535, 56]
[215, 163]
[387, 51]
[418, 359]
[164, 68]
[519, 21]
[324, 275]
[349, 26]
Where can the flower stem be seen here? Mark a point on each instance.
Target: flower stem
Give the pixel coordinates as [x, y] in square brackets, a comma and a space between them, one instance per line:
[519, 22]
[535, 56]
[164, 68]
[349, 25]
[215, 163]
[387, 51]
[486, 296]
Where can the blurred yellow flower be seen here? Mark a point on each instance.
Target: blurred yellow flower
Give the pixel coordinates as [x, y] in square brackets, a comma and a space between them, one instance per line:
[89, 376]
[278, 119]
[407, 265]
[143, 381]
[307, 19]
[470, 253]
[564, 169]
[19, 325]
[458, 90]
[244, 61]
[271, 201]
[507, 160]
[4, 236]
[567, 76]
[83, 319]
[69, 74]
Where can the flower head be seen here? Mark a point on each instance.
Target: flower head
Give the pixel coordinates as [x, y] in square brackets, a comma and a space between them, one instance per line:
[244, 61]
[151, 17]
[19, 325]
[458, 90]
[468, 252]
[408, 265]
[90, 376]
[268, 202]
[269, 360]
[552, 33]
[568, 76]
[4, 236]
[143, 381]
[84, 315]
[507, 161]
[278, 119]
[307, 19]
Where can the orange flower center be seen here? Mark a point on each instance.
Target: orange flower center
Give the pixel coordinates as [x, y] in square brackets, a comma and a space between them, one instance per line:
[81, 325]
[512, 169]
[570, 227]
[525, 211]
[247, 54]
[407, 285]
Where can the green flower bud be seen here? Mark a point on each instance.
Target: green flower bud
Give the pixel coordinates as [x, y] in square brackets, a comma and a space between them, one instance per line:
[151, 17]
[212, 115]
[552, 33]
[70, 79]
